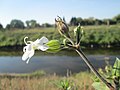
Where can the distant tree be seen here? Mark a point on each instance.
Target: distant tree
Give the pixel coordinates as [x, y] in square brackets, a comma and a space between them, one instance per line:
[98, 22]
[28, 24]
[1, 26]
[106, 21]
[109, 21]
[32, 24]
[91, 21]
[37, 25]
[16, 24]
[117, 18]
[46, 25]
[85, 21]
[112, 22]
[7, 27]
[73, 21]
[79, 20]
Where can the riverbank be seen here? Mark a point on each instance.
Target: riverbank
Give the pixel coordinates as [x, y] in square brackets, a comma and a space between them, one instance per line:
[94, 36]
[17, 51]
[41, 81]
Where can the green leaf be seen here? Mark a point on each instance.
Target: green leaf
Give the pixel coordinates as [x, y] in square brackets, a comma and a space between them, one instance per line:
[99, 86]
[54, 46]
[116, 68]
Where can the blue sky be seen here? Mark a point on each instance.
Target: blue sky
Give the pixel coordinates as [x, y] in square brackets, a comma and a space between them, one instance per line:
[46, 10]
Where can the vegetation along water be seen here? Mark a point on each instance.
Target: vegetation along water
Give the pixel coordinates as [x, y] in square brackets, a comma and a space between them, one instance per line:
[94, 36]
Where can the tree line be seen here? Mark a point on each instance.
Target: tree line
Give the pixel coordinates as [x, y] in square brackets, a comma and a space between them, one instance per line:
[18, 24]
[93, 21]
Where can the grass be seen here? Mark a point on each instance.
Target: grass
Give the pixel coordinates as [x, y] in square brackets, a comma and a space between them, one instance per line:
[94, 35]
[15, 37]
[40, 81]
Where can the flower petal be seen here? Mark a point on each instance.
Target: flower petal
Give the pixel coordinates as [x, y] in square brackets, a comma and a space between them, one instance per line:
[30, 55]
[27, 55]
[42, 47]
[28, 60]
[41, 41]
[27, 48]
[28, 52]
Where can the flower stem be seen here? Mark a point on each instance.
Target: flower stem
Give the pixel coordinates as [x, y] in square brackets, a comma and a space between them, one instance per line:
[92, 68]
[69, 39]
[117, 84]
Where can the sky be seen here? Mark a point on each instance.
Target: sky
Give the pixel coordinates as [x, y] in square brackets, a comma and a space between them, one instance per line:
[47, 10]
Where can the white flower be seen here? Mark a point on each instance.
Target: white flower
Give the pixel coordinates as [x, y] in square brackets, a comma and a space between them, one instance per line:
[30, 47]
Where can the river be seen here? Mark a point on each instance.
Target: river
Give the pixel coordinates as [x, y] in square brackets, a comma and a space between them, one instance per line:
[59, 63]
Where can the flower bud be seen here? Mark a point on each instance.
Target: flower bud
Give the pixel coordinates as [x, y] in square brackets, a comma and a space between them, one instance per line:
[62, 27]
[78, 32]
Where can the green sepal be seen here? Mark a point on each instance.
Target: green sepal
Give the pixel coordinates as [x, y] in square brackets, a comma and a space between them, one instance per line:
[54, 46]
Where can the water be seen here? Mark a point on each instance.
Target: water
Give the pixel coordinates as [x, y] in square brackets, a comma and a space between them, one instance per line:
[10, 61]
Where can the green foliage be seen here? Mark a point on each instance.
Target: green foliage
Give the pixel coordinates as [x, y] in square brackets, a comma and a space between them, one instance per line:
[65, 84]
[100, 36]
[38, 73]
[117, 18]
[16, 37]
[116, 68]
[111, 74]
[99, 86]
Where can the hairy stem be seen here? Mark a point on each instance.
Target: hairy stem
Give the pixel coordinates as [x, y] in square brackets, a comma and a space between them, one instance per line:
[92, 68]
